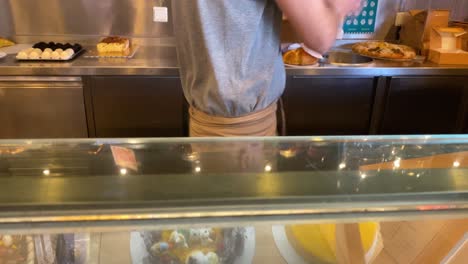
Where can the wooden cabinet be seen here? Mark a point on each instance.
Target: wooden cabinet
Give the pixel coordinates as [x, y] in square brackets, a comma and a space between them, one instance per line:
[328, 105]
[425, 105]
[136, 106]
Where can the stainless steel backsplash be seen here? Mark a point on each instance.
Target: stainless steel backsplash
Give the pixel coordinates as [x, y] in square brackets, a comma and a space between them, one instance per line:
[23, 19]
[82, 17]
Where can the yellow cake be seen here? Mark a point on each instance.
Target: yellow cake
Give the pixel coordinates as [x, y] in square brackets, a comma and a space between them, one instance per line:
[317, 243]
[114, 46]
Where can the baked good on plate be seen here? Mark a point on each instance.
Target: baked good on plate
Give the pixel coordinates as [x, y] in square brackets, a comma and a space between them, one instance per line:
[6, 43]
[299, 57]
[194, 245]
[114, 46]
[384, 50]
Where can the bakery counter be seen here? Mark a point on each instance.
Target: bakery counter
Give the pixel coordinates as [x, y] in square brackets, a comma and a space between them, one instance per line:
[148, 60]
[162, 61]
[382, 68]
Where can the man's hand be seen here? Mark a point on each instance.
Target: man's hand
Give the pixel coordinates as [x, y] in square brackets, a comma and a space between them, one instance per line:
[344, 7]
[317, 21]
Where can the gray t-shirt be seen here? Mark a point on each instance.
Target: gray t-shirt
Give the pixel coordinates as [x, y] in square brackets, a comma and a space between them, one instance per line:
[229, 54]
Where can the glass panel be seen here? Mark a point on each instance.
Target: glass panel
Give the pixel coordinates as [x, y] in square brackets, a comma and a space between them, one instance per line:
[219, 170]
[415, 241]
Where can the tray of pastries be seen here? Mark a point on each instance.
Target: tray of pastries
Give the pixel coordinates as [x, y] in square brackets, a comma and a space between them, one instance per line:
[51, 52]
[113, 47]
[194, 245]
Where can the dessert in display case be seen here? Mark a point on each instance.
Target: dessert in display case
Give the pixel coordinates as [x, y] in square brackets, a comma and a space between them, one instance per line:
[389, 199]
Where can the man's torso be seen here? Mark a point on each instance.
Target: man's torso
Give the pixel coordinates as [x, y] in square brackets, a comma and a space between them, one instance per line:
[229, 54]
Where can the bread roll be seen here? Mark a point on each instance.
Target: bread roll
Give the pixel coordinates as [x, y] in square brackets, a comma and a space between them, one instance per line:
[299, 57]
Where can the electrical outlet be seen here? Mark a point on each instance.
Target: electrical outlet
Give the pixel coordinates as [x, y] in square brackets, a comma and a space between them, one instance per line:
[160, 14]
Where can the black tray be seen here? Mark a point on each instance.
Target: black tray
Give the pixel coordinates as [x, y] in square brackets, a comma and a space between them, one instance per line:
[77, 54]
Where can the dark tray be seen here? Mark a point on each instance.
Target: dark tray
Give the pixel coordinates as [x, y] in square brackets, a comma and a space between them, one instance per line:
[76, 55]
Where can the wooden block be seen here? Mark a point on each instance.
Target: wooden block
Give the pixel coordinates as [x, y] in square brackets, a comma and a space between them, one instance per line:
[385, 258]
[348, 248]
[411, 239]
[443, 242]
[389, 229]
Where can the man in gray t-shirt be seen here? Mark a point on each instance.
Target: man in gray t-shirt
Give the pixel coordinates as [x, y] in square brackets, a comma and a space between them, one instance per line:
[230, 60]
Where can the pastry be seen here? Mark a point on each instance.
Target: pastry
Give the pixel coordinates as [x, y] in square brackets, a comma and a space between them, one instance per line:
[34, 55]
[316, 243]
[55, 55]
[194, 246]
[49, 51]
[6, 43]
[384, 50]
[299, 57]
[70, 51]
[198, 257]
[65, 56]
[22, 55]
[46, 55]
[114, 46]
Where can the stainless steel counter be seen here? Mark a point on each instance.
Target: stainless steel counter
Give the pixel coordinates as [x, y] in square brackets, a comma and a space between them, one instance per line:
[162, 60]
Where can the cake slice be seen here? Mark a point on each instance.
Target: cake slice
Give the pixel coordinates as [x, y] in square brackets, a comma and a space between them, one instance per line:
[114, 46]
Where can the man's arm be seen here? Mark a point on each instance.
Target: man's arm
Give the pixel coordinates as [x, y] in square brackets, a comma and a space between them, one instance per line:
[317, 21]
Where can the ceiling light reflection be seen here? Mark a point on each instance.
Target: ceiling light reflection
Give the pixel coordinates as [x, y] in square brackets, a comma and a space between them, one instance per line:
[342, 166]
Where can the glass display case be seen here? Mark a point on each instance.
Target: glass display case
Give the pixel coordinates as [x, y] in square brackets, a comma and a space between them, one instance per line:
[398, 199]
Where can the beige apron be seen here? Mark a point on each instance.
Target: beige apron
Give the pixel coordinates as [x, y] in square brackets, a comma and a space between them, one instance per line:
[261, 123]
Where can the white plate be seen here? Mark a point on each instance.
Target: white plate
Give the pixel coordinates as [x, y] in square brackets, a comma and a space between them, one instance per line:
[284, 247]
[316, 65]
[2, 55]
[139, 253]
